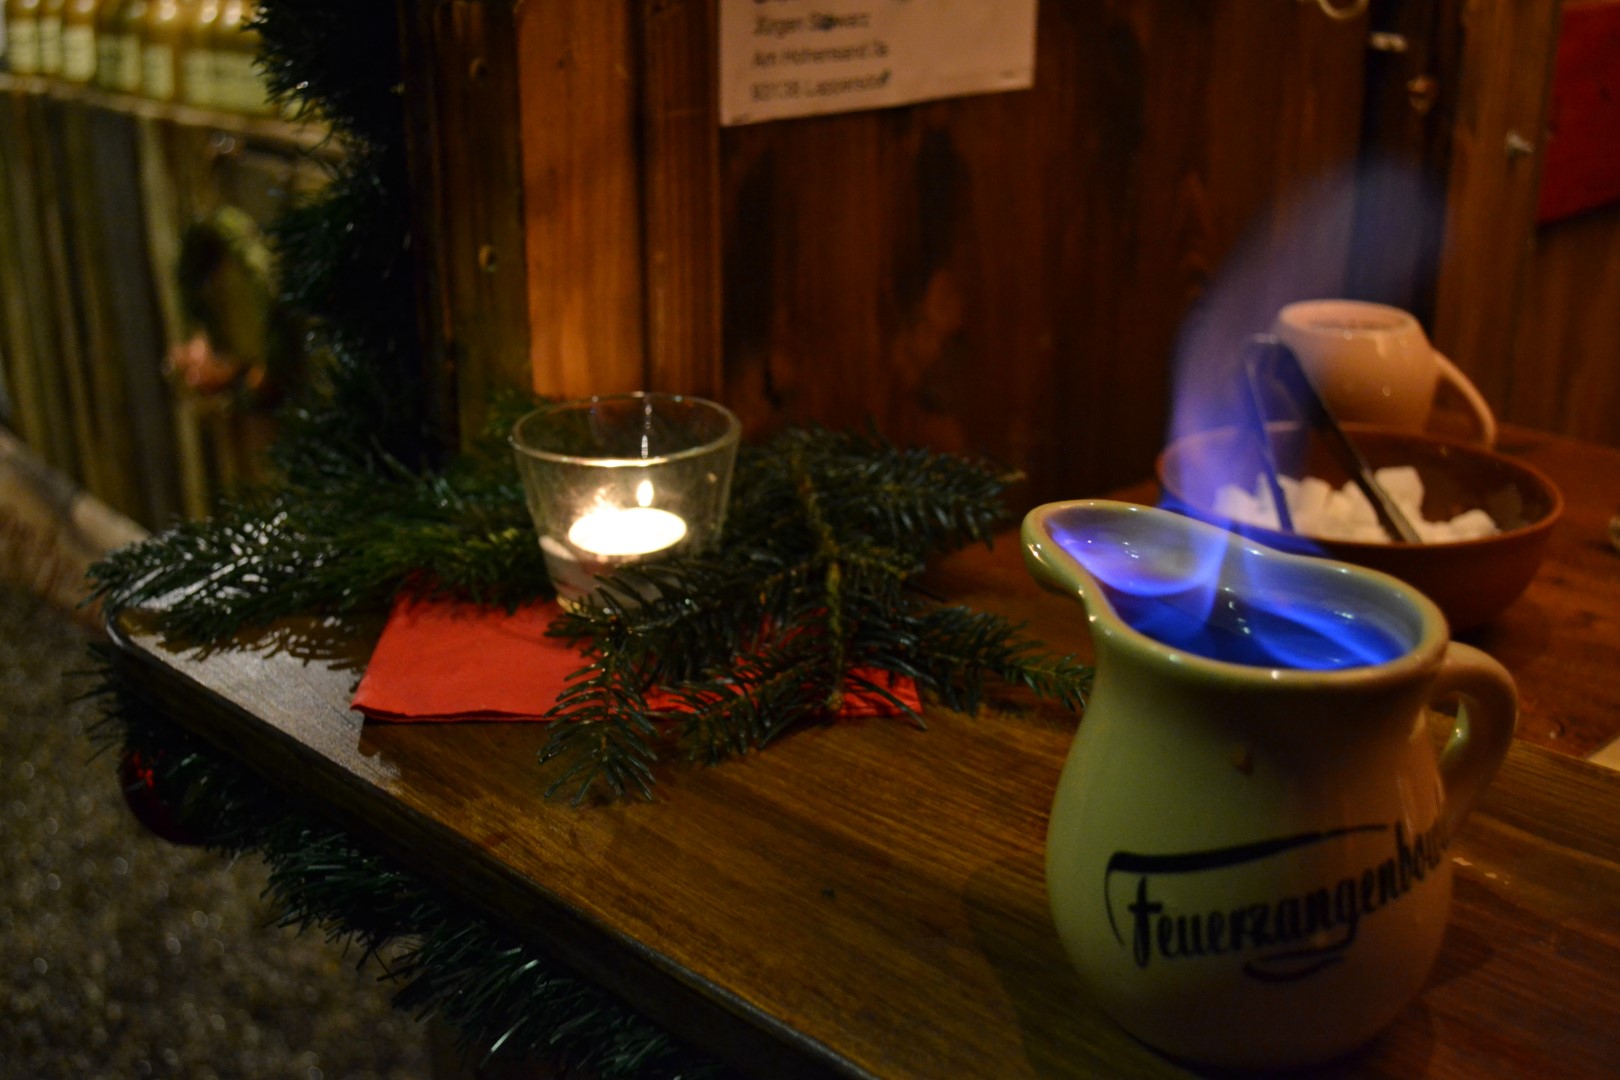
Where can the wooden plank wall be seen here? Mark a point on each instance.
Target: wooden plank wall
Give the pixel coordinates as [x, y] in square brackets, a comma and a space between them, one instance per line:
[1004, 273]
[582, 189]
[1531, 311]
[461, 72]
[38, 383]
[1008, 273]
[1505, 63]
[1565, 364]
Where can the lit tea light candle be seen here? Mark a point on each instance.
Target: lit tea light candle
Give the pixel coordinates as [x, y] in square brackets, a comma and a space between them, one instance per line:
[614, 481]
[613, 532]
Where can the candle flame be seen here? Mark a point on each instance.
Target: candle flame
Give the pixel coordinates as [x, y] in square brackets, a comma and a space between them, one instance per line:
[644, 493]
[637, 530]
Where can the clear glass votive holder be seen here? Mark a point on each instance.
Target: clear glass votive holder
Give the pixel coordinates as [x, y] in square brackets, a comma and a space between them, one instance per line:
[615, 480]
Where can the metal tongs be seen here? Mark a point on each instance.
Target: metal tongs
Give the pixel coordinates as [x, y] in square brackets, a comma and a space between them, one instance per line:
[1267, 361]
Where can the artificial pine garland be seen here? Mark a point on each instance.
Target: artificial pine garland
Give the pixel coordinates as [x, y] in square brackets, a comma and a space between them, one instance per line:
[815, 576]
[505, 998]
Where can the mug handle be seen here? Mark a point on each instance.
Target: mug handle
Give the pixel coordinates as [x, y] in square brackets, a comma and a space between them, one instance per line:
[1484, 728]
[1483, 416]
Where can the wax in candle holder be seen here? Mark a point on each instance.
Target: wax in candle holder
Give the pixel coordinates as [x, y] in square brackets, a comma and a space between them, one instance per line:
[612, 481]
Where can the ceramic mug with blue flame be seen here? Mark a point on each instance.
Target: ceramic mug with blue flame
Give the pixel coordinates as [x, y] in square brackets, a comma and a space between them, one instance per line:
[1247, 855]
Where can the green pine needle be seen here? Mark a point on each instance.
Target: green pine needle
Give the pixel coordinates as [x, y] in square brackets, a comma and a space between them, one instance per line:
[812, 579]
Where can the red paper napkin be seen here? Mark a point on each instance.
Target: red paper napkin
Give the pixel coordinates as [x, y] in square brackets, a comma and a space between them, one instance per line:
[444, 660]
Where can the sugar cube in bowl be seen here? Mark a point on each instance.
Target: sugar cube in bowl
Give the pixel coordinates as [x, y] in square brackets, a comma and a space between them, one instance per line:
[1471, 579]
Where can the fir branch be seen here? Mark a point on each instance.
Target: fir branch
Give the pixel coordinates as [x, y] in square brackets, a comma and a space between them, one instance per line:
[340, 60]
[813, 579]
[829, 554]
[901, 499]
[669, 621]
[757, 697]
[359, 513]
[609, 733]
[347, 544]
[957, 650]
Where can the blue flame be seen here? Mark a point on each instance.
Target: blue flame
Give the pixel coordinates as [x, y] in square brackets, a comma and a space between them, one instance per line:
[1245, 607]
[1194, 592]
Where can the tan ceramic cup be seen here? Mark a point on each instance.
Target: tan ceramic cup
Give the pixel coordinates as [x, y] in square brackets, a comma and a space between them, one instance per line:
[1372, 363]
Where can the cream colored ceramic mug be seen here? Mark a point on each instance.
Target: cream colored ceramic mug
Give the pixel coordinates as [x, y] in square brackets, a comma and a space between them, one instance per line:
[1372, 363]
[1247, 858]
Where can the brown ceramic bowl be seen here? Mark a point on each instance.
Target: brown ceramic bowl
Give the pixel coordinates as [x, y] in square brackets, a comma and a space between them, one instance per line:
[1471, 580]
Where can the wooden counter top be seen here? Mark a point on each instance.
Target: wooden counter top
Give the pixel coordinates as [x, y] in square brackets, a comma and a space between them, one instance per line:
[867, 899]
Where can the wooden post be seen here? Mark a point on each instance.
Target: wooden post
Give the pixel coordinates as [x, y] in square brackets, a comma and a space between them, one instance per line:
[461, 70]
[681, 196]
[578, 102]
[1494, 178]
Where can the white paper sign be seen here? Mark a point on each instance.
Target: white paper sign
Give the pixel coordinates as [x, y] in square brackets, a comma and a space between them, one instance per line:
[781, 58]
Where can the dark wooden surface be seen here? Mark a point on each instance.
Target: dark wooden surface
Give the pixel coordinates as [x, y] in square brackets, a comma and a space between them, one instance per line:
[867, 898]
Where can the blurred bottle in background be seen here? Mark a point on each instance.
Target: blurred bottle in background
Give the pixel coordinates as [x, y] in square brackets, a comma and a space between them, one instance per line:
[79, 41]
[22, 36]
[121, 46]
[200, 75]
[108, 43]
[162, 42]
[50, 36]
[240, 85]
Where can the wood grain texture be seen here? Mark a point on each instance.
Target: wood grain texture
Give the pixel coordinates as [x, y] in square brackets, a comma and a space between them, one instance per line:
[53, 181]
[1568, 623]
[468, 185]
[164, 187]
[867, 898]
[1527, 310]
[681, 194]
[132, 337]
[1565, 364]
[108, 416]
[1008, 272]
[1003, 272]
[578, 100]
[1411, 106]
[20, 319]
[1491, 192]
